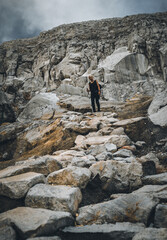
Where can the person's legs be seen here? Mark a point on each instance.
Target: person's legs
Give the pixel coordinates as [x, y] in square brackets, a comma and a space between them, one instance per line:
[93, 103]
[97, 102]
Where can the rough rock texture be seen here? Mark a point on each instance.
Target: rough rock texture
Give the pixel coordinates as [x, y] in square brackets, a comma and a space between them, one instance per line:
[17, 186]
[57, 198]
[72, 176]
[43, 103]
[158, 109]
[105, 231]
[118, 176]
[161, 216]
[35, 222]
[116, 51]
[151, 234]
[7, 233]
[115, 151]
[6, 111]
[130, 208]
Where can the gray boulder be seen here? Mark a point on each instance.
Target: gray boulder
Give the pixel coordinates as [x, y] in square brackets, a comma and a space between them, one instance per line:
[43, 165]
[129, 208]
[157, 110]
[118, 176]
[57, 198]
[32, 222]
[158, 179]
[43, 103]
[121, 231]
[17, 186]
[72, 176]
[151, 234]
[7, 233]
[160, 219]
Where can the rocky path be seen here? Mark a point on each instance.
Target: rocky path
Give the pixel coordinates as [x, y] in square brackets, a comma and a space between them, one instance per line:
[82, 176]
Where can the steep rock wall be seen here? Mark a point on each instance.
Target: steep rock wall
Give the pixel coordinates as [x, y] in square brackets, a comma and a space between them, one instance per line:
[127, 55]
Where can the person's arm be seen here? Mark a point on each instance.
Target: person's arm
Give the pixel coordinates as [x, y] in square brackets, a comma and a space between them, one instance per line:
[88, 89]
[98, 87]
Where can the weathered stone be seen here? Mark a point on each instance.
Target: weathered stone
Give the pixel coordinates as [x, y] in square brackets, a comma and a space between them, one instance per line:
[104, 156]
[123, 153]
[129, 208]
[105, 231]
[128, 121]
[45, 238]
[72, 176]
[57, 198]
[158, 108]
[158, 179]
[65, 157]
[151, 234]
[160, 219]
[120, 140]
[17, 186]
[158, 191]
[118, 176]
[97, 140]
[39, 105]
[85, 161]
[32, 222]
[7, 233]
[43, 165]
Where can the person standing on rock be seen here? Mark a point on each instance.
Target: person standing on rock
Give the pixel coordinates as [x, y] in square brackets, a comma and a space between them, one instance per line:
[94, 89]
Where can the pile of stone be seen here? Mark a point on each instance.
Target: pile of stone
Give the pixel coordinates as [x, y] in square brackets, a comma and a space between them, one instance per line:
[100, 188]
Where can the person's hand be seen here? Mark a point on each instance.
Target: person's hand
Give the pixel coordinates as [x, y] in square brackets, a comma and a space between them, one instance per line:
[98, 92]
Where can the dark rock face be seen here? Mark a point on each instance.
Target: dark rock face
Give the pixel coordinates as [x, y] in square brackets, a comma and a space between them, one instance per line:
[6, 111]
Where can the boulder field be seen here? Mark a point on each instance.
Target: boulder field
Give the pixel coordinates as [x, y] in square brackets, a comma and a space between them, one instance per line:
[67, 173]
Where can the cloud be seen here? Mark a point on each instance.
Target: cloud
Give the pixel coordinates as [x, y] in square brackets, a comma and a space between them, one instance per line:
[27, 18]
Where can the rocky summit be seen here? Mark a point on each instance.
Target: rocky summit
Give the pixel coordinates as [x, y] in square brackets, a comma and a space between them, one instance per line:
[67, 173]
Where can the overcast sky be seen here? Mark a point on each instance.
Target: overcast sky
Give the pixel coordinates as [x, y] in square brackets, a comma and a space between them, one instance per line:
[27, 18]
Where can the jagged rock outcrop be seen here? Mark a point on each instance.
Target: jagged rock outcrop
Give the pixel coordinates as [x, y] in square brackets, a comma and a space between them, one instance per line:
[105, 171]
[116, 51]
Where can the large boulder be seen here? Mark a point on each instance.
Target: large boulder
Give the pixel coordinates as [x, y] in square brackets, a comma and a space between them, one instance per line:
[158, 109]
[129, 208]
[43, 165]
[57, 198]
[104, 231]
[72, 176]
[118, 176]
[17, 186]
[39, 105]
[32, 222]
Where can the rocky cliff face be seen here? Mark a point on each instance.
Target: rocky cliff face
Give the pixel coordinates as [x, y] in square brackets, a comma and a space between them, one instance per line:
[127, 55]
[68, 173]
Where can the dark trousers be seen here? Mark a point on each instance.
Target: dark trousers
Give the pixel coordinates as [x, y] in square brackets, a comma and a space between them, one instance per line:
[93, 98]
